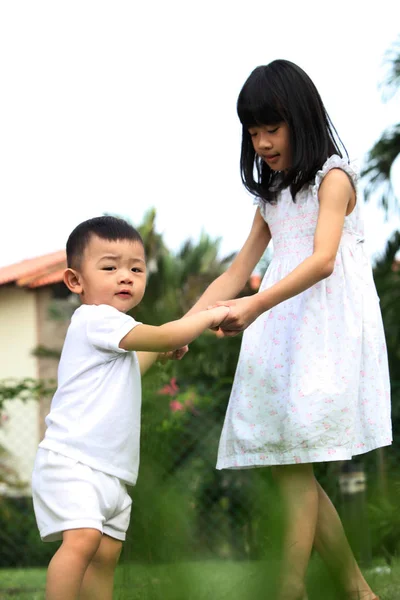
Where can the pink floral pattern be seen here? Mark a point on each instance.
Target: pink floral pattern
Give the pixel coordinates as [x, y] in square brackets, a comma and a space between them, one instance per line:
[312, 380]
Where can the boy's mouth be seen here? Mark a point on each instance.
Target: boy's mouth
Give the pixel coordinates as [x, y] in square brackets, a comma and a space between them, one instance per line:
[124, 294]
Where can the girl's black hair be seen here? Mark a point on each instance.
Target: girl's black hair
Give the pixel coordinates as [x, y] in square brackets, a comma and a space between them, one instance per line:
[106, 228]
[282, 91]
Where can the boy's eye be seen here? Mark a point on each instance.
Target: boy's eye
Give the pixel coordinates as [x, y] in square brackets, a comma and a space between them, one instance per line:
[108, 268]
[136, 270]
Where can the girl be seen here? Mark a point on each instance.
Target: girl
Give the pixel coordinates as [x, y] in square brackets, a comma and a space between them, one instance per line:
[312, 380]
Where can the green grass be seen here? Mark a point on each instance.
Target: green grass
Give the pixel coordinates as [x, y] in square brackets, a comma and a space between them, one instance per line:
[213, 580]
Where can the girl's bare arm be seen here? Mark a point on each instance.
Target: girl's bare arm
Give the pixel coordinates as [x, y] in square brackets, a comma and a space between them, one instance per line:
[229, 284]
[335, 195]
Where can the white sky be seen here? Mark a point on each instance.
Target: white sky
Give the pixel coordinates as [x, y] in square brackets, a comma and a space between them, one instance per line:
[120, 106]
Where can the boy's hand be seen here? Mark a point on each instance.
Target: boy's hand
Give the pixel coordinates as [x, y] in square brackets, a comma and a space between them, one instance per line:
[173, 354]
[218, 315]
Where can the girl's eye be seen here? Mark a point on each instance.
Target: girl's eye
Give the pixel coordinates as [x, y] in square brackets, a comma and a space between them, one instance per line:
[253, 133]
[272, 130]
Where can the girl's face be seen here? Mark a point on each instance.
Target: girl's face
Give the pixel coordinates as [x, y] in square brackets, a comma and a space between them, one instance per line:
[272, 144]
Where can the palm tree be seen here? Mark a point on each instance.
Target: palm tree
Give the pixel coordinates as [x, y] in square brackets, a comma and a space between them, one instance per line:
[387, 280]
[176, 280]
[381, 157]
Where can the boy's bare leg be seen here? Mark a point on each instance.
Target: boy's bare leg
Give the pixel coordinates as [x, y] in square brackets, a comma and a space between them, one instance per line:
[67, 567]
[332, 545]
[98, 582]
[297, 486]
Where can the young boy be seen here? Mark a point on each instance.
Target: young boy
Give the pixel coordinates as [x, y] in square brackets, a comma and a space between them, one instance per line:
[90, 451]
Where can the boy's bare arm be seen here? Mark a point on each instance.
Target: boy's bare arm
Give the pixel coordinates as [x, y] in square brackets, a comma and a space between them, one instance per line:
[172, 335]
[146, 360]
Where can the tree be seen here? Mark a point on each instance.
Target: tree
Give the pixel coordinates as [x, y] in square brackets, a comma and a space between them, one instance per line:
[175, 281]
[381, 158]
[387, 280]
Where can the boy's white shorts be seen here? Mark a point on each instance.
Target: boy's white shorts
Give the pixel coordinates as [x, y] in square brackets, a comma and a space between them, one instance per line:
[70, 495]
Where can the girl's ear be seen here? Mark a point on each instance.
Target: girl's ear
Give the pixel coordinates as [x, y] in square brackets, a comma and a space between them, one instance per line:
[72, 281]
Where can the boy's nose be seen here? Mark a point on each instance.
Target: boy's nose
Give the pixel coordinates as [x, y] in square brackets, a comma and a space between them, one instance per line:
[125, 277]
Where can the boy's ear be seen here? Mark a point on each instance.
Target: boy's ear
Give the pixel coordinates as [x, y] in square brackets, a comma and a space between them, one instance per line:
[73, 281]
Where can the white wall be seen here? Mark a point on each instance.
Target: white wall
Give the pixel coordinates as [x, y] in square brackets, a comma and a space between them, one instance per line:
[18, 337]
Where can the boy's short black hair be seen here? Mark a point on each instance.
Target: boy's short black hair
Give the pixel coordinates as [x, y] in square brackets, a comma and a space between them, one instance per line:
[106, 228]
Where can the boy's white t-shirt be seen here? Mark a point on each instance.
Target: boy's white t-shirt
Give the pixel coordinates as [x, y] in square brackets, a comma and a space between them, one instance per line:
[95, 413]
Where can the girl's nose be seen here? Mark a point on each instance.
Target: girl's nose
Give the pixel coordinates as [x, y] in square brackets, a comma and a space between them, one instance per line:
[264, 141]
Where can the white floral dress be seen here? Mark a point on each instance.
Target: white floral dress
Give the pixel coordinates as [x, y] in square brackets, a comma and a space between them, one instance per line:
[312, 380]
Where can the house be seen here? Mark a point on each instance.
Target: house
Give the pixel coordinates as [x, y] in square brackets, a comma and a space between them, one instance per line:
[28, 290]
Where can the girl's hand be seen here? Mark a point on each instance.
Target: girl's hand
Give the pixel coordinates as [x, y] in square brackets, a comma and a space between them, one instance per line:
[243, 311]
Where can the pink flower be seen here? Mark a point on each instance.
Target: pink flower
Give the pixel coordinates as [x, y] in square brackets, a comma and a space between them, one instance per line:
[170, 389]
[175, 405]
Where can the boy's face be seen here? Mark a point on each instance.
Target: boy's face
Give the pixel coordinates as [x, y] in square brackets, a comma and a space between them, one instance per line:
[113, 273]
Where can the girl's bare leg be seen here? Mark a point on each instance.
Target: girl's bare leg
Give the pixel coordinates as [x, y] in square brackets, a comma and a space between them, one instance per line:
[67, 567]
[98, 582]
[298, 489]
[332, 545]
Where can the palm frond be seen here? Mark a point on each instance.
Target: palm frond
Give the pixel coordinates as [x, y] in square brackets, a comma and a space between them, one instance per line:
[379, 163]
[391, 83]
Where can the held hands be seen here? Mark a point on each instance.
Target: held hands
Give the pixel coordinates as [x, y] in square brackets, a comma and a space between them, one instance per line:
[217, 314]
[243, 311]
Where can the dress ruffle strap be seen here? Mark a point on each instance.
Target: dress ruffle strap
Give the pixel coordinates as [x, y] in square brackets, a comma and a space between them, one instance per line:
[335, 162]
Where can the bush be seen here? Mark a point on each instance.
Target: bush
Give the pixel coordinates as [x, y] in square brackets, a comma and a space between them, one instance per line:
[20, 543]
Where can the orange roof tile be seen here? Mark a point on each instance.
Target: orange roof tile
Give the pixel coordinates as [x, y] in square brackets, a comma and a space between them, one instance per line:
[255, 281]
[35, 272]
